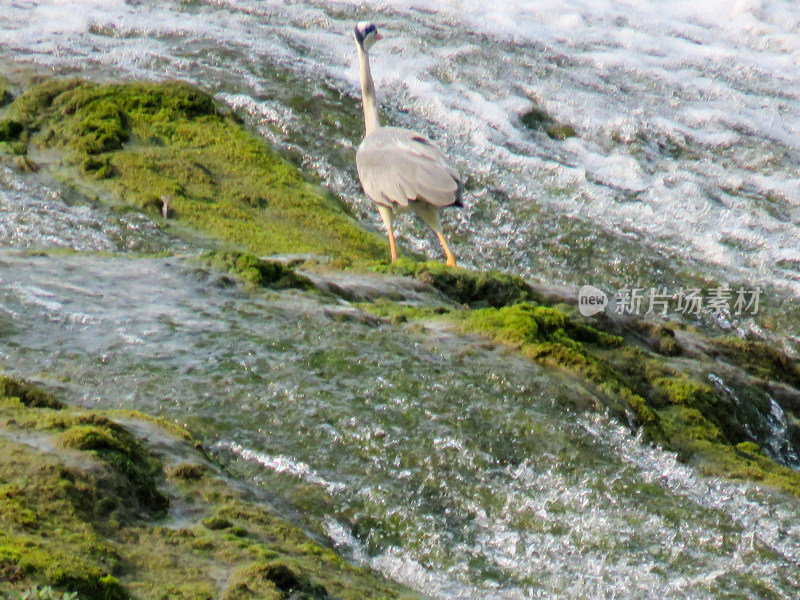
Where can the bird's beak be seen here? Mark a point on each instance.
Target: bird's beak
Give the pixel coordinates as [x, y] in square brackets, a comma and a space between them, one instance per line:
[378, 36]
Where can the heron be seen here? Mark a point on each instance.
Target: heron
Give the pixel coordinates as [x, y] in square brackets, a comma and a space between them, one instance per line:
[400, 169]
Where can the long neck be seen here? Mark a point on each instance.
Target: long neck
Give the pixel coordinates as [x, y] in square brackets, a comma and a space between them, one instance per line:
[367, 94]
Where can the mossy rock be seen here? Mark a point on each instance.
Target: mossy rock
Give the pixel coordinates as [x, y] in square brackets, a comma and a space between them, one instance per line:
[474, 288]
[561, 132]
[142, 141]
[5, 92]
[97, 167]
[537, 119]
[217, 523]
[273, 579]
[191, 472]
[118, 449]
[43, 537]
[256, 271]
[759, 359]
[682, 391]
[28, 394]
[71, 519]
[660, 338]
[32, 108]
[527, 323]
[10, 130]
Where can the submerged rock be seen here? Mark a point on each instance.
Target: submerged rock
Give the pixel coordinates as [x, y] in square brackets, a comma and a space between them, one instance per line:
[474, 288]
[537, 119]
[256, 271]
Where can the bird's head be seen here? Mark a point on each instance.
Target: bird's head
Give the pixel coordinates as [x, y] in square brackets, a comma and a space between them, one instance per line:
[366, 34]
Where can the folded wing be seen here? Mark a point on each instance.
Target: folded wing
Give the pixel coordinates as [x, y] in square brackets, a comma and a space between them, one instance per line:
[397, 166]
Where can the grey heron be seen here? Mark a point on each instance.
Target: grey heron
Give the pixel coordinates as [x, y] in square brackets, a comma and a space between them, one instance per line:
[399, 168]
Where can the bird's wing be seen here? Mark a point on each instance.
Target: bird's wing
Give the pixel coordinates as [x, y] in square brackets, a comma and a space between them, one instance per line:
[397, 165]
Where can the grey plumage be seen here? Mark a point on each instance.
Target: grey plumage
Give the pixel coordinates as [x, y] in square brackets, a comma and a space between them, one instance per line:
[397, 166]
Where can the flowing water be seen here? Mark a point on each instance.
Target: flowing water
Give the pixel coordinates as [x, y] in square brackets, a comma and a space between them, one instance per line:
[456, 468]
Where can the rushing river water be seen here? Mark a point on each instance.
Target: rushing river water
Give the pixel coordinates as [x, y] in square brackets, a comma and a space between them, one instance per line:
[455, 468]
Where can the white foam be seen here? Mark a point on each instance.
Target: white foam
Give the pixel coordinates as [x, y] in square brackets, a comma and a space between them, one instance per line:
[282, 464]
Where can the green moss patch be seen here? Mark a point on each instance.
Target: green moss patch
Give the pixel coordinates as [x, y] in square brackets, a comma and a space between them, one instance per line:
[537, 119]
[191, 472]
[81, 511]
[43, 535]
[5, 91]
[217, 523]
[273, 579]
[142, 142]
[552, 338]
[116, 447]
[526, 324]
[255, 271]
[473, 288]
[759, 359]
[10, 130]
[28, 394]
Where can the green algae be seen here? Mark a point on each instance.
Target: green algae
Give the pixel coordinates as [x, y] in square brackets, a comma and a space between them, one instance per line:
[10, 130]
[464, 286]
[664, 341]
[528, 324]
[217, 523]
[537, 119]
[40, 526]
[256, 272]
[70, 519]
[141, 142]
[113, 445]
[6, 95]
[561, 131]
[759, 359]
[189, 471]
[28, 394]
[273, 580]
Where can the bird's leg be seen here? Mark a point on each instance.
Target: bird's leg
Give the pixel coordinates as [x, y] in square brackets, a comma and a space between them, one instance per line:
[451, 259]
[430, 215]
[392, 247]
[386, 215]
